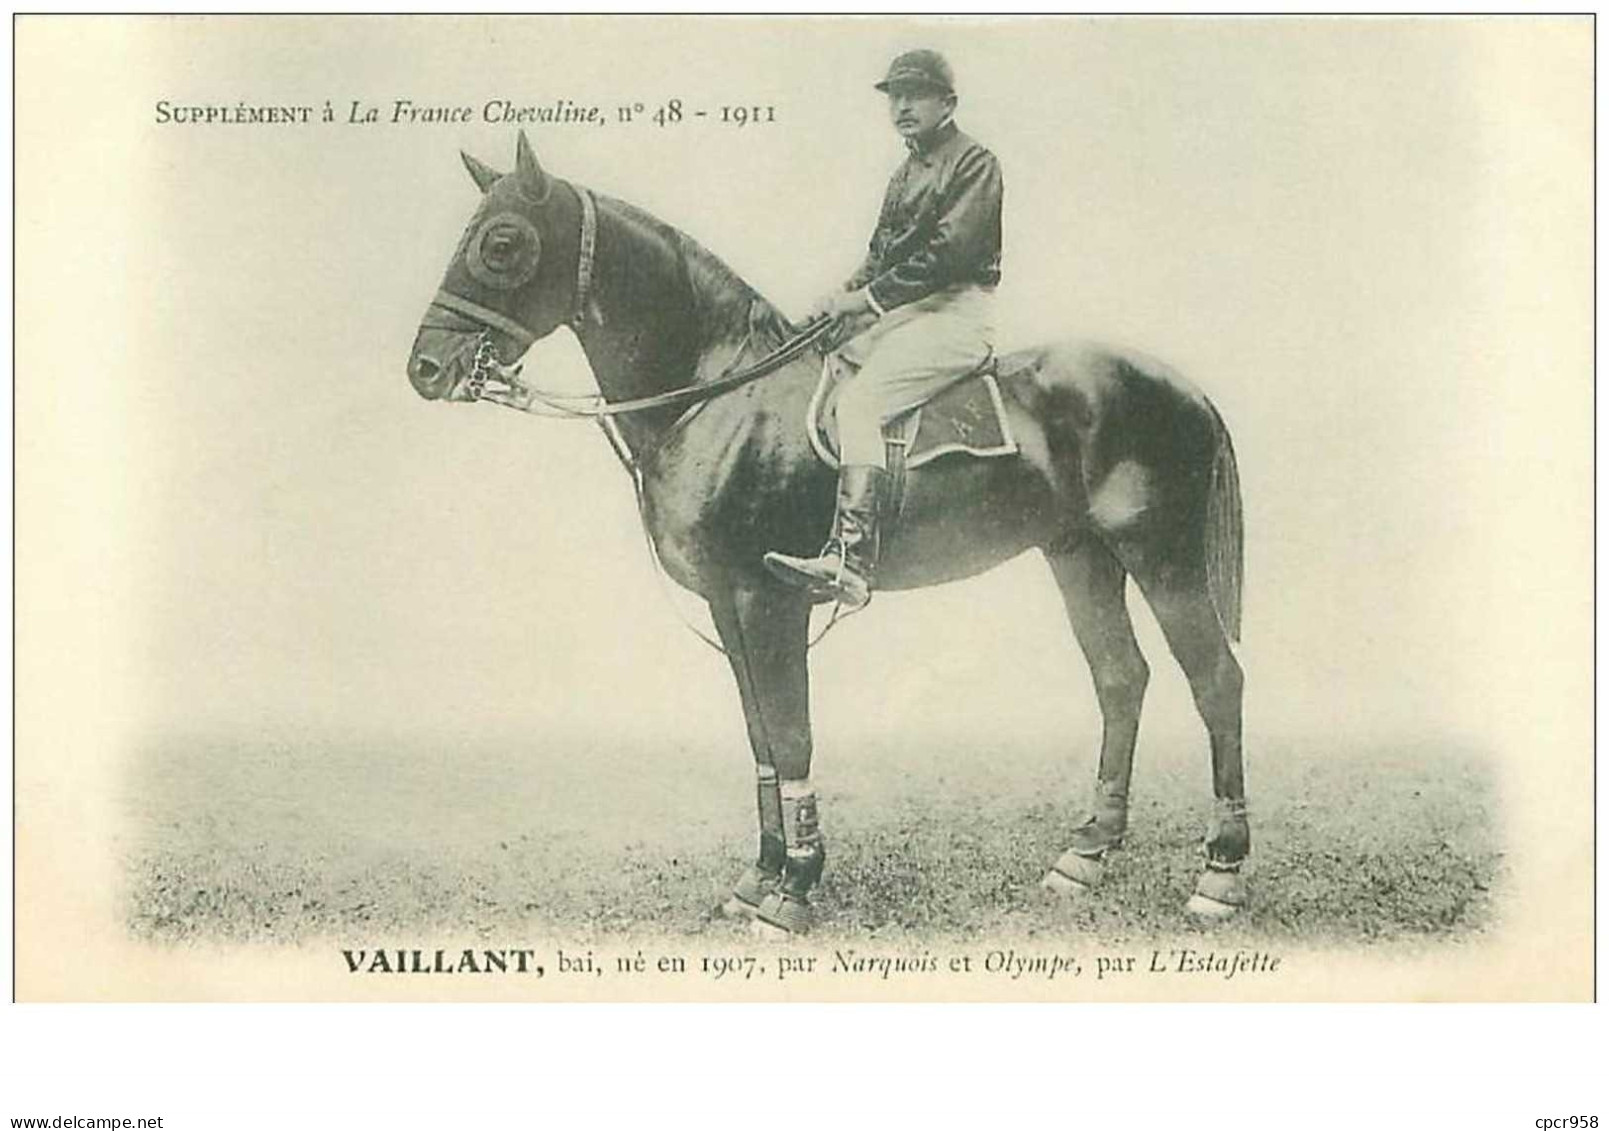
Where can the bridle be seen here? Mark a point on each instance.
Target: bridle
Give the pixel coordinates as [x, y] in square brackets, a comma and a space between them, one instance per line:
[485, 366]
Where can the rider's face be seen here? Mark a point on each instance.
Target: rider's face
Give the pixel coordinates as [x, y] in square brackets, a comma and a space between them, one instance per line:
[918, 111]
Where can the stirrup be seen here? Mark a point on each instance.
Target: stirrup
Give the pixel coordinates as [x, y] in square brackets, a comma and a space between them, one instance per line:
[850, 591]
[825, 577]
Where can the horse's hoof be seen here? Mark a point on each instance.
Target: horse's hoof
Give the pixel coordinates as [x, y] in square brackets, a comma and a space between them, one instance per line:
[767, 932]
[1073, 875]
[736, 908]
[1218, 895]
[1205, 907]
[747, 894]
[782, 916]
[1058, 884]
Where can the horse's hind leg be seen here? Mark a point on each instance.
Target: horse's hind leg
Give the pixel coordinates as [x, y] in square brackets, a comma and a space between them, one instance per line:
[764, 629]
[1092, 583]
[1179, 596]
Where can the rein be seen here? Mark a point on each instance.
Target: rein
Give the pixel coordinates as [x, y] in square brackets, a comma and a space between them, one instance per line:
[592, 405]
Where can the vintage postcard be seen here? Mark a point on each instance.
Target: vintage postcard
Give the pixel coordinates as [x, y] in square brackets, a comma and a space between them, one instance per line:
[769, 509]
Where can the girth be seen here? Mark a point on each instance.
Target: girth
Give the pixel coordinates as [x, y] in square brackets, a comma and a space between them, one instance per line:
[896, 447]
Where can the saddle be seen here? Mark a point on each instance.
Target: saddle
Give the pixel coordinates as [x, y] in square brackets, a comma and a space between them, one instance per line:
[967, 416]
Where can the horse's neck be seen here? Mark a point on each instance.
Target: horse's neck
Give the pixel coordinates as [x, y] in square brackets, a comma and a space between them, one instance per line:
[650, 326]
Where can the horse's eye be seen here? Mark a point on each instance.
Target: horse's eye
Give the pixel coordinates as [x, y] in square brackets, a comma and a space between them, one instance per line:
[504, 254]
[501, 244]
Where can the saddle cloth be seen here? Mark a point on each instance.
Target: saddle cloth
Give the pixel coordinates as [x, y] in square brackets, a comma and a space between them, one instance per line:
[968, 416]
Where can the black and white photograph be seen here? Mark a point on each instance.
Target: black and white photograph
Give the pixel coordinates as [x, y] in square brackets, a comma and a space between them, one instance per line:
[789, 509]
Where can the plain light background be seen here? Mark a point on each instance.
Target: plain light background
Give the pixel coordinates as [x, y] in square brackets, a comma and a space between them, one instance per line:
[1334, 229]
[1367, 240]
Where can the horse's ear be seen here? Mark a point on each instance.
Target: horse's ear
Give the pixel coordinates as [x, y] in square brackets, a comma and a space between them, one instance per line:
[532, 179]
[485, 176]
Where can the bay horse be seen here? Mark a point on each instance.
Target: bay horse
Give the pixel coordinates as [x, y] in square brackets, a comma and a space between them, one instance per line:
[1124, 470]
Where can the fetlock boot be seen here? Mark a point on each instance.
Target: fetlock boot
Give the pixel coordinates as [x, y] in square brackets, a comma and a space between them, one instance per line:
[845, 568]
[787, 908]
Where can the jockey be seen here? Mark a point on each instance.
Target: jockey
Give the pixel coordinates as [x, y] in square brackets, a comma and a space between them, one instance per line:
[917, 314]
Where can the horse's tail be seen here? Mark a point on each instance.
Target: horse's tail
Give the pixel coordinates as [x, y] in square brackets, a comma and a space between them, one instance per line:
[1225, 541]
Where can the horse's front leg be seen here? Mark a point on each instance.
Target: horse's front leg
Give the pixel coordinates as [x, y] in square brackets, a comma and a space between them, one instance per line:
[764, 629]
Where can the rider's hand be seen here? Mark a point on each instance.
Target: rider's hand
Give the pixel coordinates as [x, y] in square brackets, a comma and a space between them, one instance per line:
[822, 307]
[839, 305]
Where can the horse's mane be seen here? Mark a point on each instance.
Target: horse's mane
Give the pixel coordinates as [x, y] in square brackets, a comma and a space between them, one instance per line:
[726, 303]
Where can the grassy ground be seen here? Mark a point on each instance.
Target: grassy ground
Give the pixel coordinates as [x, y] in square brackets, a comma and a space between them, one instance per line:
[360, 840]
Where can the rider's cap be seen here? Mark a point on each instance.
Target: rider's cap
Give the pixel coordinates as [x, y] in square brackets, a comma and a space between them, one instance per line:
[922, 68]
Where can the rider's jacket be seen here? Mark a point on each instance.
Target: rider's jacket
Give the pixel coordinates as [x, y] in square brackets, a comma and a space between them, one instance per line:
[940, 223]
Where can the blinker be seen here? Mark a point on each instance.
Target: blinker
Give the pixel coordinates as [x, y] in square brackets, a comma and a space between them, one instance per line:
[505, 252]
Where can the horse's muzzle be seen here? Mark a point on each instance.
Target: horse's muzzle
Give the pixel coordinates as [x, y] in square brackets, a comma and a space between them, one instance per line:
[427, 377]
[436, 367]
[453, 366]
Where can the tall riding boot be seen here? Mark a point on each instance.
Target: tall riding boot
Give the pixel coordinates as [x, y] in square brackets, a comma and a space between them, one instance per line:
[844, 569]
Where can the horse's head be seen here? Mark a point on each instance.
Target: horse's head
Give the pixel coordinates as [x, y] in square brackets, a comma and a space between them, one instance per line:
[514, 279]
